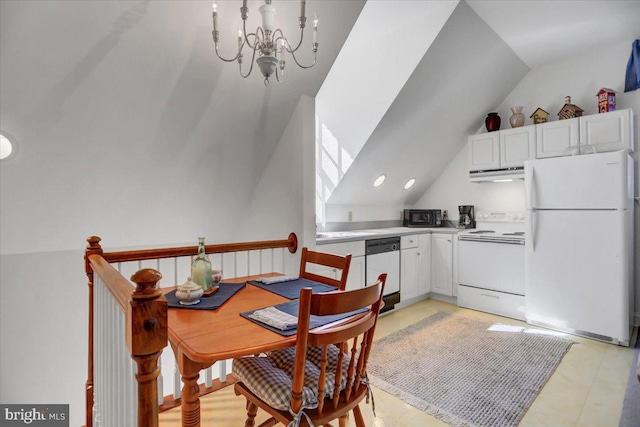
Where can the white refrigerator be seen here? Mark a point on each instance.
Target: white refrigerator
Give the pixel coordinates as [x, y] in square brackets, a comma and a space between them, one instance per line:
[579, 245]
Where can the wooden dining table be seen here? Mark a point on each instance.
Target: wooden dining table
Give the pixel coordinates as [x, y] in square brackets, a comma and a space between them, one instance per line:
[200, 338]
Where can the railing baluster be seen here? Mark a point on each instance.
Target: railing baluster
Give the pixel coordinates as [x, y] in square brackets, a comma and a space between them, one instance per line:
[208, 376]
[222, 371]
[177, 382]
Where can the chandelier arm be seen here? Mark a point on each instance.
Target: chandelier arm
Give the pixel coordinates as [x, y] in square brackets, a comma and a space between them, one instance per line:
[225, 59]
[291, 51]
[253, 57]
[315, 54]
[256, 37]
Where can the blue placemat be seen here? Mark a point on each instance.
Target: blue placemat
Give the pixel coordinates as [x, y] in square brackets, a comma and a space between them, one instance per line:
[291, 308]
[226, 291]
[291, 289]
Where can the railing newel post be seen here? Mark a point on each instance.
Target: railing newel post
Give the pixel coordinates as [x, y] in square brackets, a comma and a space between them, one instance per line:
[93, 248]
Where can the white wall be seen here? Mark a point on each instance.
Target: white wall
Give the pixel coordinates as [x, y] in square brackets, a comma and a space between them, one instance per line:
[580, 77]
[282, 201]
[43, 304]
[124, 132]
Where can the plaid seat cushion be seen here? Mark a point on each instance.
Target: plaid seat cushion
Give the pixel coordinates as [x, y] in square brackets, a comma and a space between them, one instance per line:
[270, 378]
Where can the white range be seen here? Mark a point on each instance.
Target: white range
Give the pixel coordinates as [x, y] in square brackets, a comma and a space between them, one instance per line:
[491, 264]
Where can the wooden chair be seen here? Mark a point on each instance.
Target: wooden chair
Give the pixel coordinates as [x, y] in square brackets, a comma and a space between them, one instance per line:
[324, 376]
[326, 260]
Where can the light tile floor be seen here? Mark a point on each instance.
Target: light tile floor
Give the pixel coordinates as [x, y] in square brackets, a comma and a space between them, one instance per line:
[586, 390]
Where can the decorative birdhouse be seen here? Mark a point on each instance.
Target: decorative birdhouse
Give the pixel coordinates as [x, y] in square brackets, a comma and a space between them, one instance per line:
[568, 110]
[539, 116]
[606, 100]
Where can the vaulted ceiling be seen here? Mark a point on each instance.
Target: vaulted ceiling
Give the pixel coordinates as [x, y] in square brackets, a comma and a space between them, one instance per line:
[480, 52]
[141, 76]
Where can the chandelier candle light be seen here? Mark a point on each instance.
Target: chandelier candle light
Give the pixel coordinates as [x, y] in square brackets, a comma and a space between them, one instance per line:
[269, 43]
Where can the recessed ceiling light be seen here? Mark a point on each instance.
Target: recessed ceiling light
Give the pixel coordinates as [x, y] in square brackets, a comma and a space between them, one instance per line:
[409, 183]
[379, 180]
[6, 147]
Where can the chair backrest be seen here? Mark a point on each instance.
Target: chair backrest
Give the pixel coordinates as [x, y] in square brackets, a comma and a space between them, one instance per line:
[352, 337]
[326, 260]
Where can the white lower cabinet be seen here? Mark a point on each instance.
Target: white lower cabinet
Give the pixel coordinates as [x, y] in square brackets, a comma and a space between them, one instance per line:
[356, 277]
[424, 280]
[442, 264]
[415, 262]
[409, 273]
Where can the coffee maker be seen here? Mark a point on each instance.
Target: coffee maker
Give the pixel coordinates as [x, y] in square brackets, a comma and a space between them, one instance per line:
[467, 217]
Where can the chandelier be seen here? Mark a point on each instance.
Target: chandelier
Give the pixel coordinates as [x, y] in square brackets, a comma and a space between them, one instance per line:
[268, 43]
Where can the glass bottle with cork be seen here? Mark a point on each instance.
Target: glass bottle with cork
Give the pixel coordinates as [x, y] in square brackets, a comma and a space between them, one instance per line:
[201, 269]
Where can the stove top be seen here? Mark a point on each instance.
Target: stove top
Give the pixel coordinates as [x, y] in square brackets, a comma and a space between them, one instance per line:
[505, 227]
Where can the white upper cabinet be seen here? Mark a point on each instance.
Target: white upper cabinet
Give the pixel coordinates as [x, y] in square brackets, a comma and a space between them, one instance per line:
[553, 138]
[484, 151]
[494, 155]
[611, 131]
[517, 145]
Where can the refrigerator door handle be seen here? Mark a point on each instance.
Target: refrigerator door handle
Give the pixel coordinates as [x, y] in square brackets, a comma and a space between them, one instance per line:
[530, 233]
[528, 183]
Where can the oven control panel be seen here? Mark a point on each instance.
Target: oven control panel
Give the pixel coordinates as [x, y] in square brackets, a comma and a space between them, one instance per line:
[500, 216]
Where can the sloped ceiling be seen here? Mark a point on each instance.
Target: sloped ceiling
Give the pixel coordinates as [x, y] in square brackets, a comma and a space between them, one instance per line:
[480, 55]
[467, 71]
[104, 78]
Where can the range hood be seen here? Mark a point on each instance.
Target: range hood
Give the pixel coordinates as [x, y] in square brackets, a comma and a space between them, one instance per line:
[497, 175]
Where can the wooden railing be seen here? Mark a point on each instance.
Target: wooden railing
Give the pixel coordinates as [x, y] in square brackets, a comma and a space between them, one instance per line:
[145, 313]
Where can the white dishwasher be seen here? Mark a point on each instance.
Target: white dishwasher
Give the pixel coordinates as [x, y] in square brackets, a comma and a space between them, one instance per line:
[383, 256]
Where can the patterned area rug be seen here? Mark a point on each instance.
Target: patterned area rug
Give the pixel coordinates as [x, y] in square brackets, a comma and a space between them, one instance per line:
[465, 371]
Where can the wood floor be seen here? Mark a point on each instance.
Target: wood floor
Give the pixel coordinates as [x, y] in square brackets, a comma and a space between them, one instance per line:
[587, 389]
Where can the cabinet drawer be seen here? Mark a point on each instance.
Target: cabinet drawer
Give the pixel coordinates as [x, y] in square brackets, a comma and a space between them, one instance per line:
[411, 241]
[499, 303]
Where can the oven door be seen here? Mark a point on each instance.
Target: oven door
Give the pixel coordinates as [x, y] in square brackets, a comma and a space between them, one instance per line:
[491, 265]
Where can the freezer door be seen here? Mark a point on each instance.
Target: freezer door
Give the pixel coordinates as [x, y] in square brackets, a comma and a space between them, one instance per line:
[578, 271]
[596, 181]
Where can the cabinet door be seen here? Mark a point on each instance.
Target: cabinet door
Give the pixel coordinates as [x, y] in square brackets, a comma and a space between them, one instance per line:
[424, 279]
[608, 131]
[484, 151]
[516, 146]
[442, 264]
[409, 272]
[356, 278]
[554, 137]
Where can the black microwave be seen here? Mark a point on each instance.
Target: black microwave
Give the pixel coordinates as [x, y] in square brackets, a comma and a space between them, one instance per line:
[422, 218]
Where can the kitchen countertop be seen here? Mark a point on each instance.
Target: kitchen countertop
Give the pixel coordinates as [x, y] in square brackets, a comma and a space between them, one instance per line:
[326, 237]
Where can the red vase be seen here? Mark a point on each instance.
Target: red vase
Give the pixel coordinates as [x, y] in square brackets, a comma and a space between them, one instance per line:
[492, 122]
